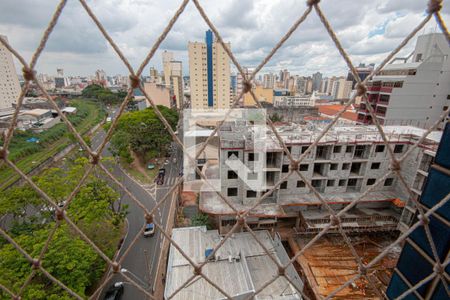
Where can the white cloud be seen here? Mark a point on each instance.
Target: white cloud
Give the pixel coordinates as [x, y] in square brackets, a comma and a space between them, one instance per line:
[368, 30]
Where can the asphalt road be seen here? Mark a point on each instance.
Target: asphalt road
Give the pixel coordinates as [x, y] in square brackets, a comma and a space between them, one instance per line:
[142, 260]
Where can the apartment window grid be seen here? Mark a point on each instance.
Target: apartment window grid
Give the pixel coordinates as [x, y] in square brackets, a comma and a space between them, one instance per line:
[440, 265]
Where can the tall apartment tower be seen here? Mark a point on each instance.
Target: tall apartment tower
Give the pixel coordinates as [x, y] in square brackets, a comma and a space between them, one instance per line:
[173, 78]
[9, 82]
[317, 80]
[414, 90]
[209, 72]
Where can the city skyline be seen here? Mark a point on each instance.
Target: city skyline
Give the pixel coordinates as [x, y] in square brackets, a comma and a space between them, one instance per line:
[378, 24]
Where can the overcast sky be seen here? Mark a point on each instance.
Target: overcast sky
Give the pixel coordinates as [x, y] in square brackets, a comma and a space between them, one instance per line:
[368, 29]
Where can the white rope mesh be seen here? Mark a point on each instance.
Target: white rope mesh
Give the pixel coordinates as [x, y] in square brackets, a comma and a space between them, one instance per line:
[96, 164]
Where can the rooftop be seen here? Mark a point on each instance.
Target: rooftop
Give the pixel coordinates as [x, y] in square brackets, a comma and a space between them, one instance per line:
[241, 266]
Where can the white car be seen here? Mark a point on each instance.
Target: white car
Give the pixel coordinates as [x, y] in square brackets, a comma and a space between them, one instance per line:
[108, 119]
[149, 230]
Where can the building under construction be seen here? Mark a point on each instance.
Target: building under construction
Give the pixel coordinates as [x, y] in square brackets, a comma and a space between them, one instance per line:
[346, 162]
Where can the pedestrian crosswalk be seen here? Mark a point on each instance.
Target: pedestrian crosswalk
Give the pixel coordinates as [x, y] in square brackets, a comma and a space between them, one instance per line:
[169, 181]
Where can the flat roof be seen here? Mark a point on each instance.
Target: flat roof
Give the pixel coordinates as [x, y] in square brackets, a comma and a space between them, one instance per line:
[241, 276]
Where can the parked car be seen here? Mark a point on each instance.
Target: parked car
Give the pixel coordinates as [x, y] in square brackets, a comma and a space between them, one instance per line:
[108, 119]
[150, 166]
[114, 292]
[149, 230]
[160, 178]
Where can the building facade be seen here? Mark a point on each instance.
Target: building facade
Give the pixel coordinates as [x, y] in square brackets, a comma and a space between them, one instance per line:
[348, 161]
[9, 82]
[413, 92]
[209, 72]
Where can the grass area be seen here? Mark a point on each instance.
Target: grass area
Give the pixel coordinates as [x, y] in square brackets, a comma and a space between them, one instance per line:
[27, 155]
[137, 174]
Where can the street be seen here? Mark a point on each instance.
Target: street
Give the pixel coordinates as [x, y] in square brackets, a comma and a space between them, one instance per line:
[142, 260]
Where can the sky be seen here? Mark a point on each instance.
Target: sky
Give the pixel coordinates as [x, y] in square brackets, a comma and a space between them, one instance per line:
[368, 30]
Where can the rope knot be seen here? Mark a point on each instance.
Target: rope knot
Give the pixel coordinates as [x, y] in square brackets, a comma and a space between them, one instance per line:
[36, 263]
[312, 2]
[361, 89]
[438, 269]
[134, 81]
[148, 218]
[240, 220]
[434, 6]
[334, 220]
[59, 214]
[362, 270]
[15, 297]
[247, 86]
[28, 74]
[3, 153]
[423, 219]
[95, 158]
[197, 270]
[115, 267]
[294, 165]
[395, 165]
[281, 271]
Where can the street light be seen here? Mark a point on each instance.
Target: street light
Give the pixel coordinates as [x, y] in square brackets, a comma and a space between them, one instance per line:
[123, 270]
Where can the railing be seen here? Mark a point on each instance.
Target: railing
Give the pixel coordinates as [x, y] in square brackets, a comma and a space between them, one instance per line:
[95, 155]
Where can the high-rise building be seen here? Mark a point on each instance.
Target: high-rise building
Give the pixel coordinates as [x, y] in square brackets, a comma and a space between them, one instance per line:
[167, 58]
[173, 78]
[362, 70]
[316, 81]
[412, 92]
[330, 83]
[240, 83]
[341, 88]
[418, 259]
[9, 82]
[209, 72]
[268, 81]
[323, 85]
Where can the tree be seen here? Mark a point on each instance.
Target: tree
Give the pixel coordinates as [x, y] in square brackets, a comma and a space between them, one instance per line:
[276, 118]
[143, 133]
[201, 220]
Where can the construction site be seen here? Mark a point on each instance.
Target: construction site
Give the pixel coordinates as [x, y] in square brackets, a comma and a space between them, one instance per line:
[329, 263]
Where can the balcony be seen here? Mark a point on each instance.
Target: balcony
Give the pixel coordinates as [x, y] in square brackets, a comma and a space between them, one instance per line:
[373, 88]
[386, 89]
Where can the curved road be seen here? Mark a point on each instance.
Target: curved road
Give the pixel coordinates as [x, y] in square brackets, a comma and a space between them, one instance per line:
[142, 259]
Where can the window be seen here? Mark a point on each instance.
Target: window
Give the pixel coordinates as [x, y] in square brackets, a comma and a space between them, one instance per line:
[303, 167]
[398, 149]
[352, 182]
[316, 183]
[304, 148]
[330, 182]
[345, 166]
[231, 153]
[337, 149]
[333, 167]
[371, 181]
[349, 149]
[252, 156]
[300, 184]
[341, 182]
[375, 166]
[251, 194]
[283, 185]
[388, 181]
[232, 175]
[285, 168]
[289, 149]
[232, 192]
[379, 148]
